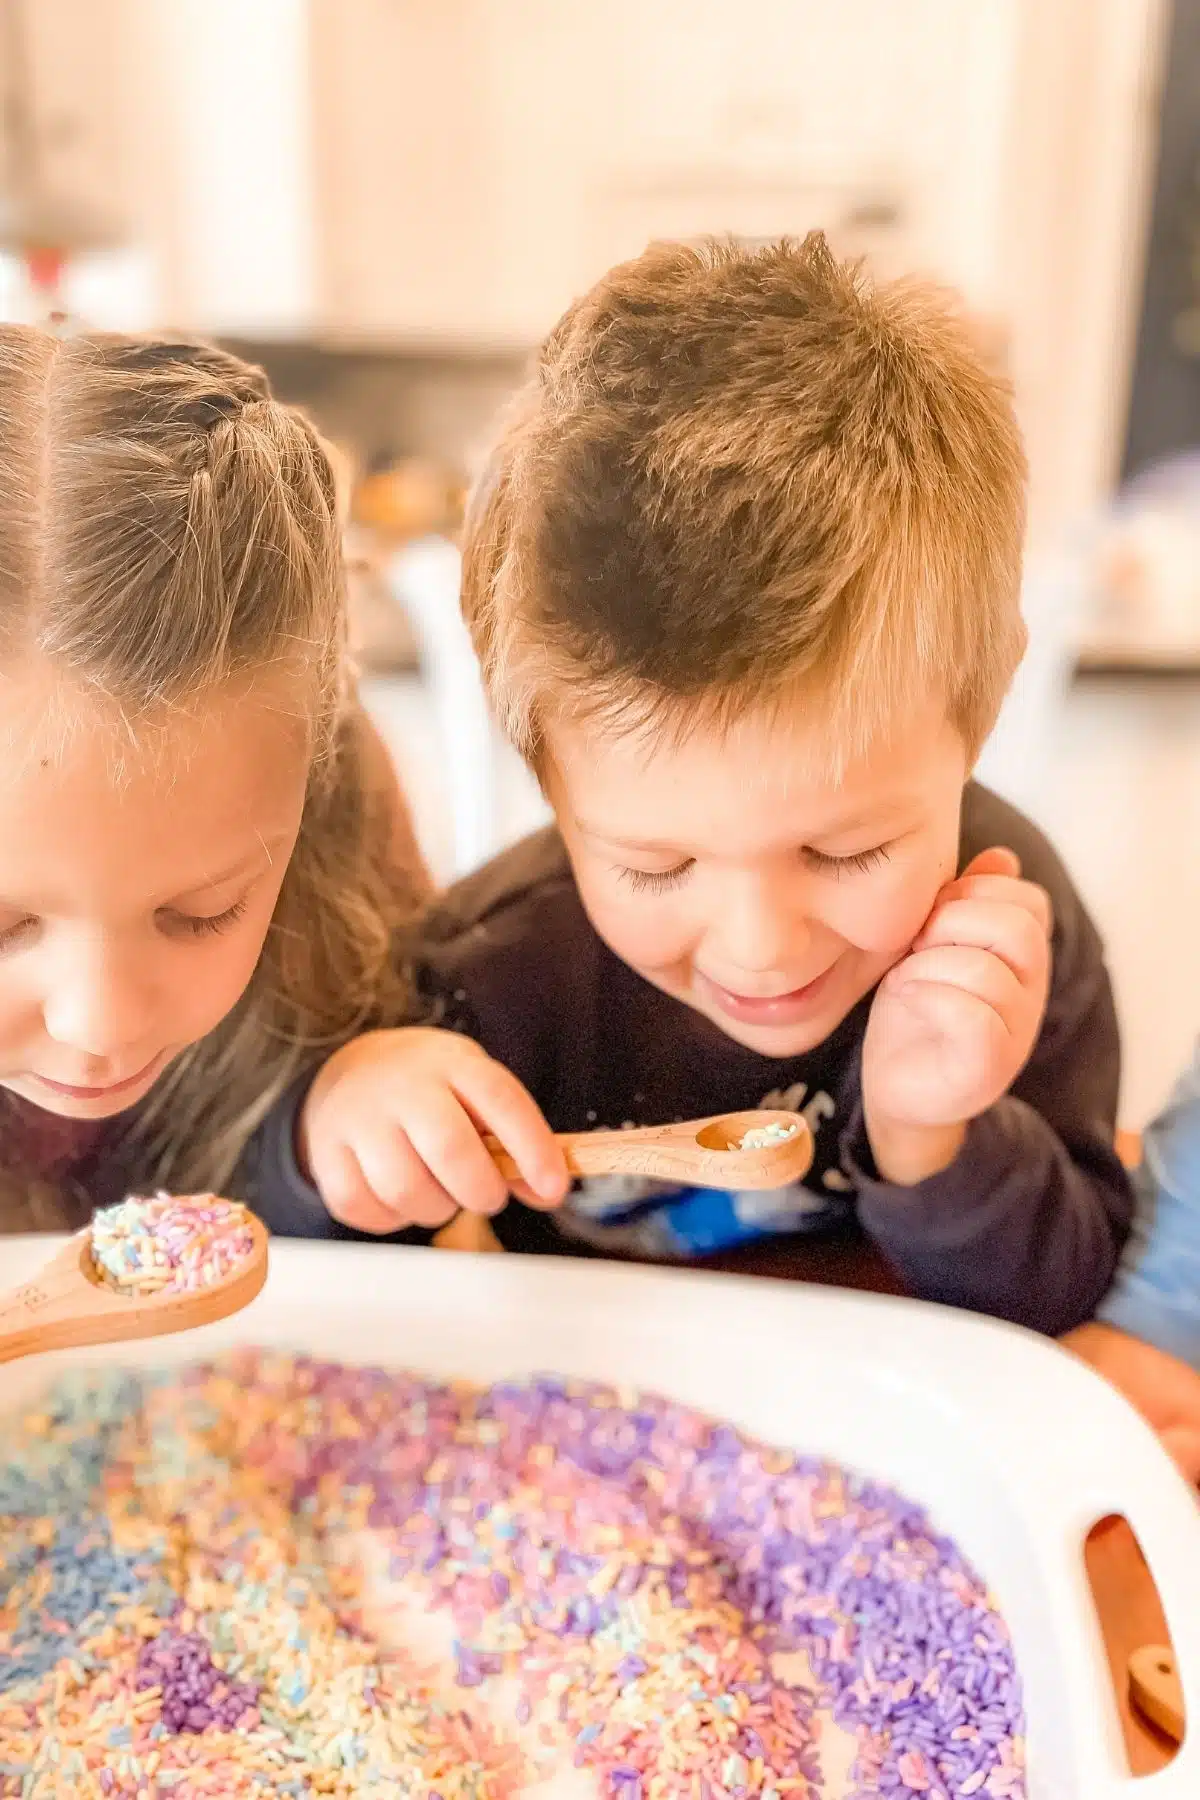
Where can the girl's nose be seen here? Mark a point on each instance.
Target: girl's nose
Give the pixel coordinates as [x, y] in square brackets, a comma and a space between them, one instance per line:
[99, 1005]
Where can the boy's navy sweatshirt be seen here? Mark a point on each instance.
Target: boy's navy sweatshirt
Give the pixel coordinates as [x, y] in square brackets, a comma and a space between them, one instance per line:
[1027, 1224]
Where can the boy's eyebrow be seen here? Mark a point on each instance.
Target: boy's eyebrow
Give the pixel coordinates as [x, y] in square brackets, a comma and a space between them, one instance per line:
[852, 822]
[880, 817]
[622, 843]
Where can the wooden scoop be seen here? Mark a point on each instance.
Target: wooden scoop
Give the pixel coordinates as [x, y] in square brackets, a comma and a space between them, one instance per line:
[68, 1305]
[701, 1153]
[1156, 1691]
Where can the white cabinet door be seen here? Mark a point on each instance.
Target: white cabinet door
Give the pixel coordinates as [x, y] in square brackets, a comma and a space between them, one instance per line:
[881, 123]
[406, 246]
[61, 64]
[480, 161]
[451, 144]
[225, 116]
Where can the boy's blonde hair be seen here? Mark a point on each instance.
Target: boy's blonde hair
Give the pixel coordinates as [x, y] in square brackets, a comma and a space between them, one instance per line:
[166, 525]
[739, 478]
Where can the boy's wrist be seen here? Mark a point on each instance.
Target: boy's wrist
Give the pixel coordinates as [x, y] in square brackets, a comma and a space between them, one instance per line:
[906, 1154]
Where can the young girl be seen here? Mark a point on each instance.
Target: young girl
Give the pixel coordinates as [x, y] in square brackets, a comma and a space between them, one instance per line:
[198, 872]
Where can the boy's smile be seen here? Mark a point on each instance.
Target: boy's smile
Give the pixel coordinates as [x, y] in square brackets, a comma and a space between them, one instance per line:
[776, 1009]
[735, 875]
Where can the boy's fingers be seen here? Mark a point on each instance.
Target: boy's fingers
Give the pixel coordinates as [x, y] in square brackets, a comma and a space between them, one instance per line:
[1005, 892]
[956, 1018]
[997, 861]
[520, 1190]
[500, 1105]
[400, 1178]
[348, 1194]
[448, 1144]
[963, 969]
[1011, 933]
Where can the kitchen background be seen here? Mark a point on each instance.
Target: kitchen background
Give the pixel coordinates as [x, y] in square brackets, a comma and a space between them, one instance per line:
[388, 201]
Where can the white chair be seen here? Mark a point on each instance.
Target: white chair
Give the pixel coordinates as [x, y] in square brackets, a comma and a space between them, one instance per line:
[425, 578]
[1019, 757]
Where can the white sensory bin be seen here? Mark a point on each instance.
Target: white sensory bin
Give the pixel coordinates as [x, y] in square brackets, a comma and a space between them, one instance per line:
[1014, 1448]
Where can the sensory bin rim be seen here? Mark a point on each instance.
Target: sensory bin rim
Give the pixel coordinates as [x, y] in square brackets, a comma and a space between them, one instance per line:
[1014, 1447]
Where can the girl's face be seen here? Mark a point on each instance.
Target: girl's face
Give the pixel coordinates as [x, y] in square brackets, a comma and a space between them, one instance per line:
[138, 875]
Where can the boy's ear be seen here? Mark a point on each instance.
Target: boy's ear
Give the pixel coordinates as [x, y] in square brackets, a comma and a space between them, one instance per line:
[345, 476]
[992, 339]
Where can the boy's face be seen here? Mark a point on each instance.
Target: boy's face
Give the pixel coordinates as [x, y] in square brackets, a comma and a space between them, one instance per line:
[725, 872]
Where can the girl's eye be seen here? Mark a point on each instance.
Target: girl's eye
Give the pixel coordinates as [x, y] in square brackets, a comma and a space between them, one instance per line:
[656, 881]
[190, 925]
[858, 864]
[13, 936]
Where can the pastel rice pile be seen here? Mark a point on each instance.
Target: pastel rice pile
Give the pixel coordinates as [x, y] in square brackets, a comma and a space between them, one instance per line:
[170, 1244]
[273, 1577]
[761, 1137]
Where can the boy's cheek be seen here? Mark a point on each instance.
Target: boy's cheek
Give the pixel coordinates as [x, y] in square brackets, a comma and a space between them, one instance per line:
[885, 922]
[659, 931]
[646, 931]
[655, 934]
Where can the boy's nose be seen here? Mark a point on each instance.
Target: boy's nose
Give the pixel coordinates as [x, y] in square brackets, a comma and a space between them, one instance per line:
[762, 931]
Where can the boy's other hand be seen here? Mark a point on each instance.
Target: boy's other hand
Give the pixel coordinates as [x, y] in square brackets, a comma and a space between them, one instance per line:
[1164, 1390]
[390, 1132]
[954, 1022]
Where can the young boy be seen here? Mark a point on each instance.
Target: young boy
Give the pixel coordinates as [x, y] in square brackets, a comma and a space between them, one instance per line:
[744, 581]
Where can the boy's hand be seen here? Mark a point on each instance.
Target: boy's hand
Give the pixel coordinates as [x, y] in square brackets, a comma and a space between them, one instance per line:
[390, 1132]
[954, 1022]
[1164, 1390]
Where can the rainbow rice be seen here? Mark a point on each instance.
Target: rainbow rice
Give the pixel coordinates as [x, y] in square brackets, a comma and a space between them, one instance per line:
[170, 1244]
[275, 1577]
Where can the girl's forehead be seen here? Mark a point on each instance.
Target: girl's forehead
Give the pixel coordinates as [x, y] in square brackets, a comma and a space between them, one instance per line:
[47, 717]
[92, 813]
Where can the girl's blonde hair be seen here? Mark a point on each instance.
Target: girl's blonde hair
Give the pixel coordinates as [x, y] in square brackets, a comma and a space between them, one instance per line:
[167, 525]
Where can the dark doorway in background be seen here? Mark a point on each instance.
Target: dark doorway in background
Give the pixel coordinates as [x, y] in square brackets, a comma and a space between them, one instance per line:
[1164, 413]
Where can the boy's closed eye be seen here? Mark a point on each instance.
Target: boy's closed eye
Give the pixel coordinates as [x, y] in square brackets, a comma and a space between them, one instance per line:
[658, 881]
[16, 932]
[655, 881]
[857, 862]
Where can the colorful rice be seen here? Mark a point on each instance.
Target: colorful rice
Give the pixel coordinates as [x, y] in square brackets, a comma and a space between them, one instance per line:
[761, 1137]
[169, 1244]
[274, 1577]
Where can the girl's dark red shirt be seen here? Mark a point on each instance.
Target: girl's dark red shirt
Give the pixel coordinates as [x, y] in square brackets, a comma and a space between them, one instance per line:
[45, 1161]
